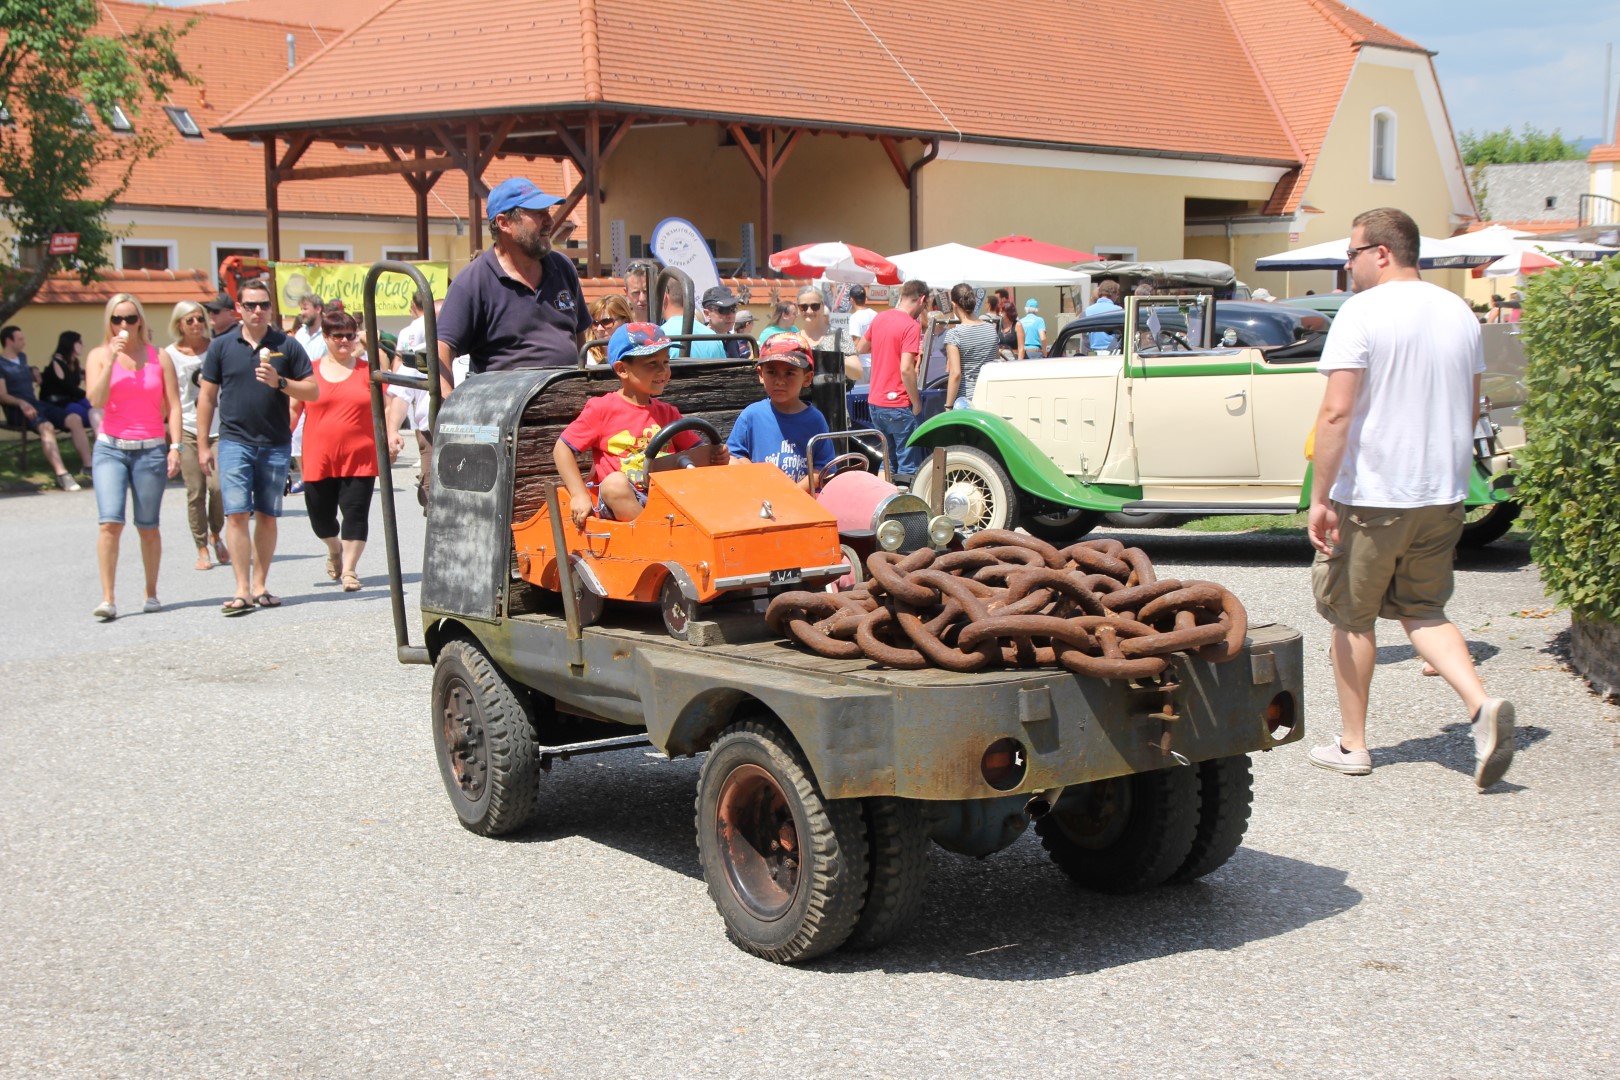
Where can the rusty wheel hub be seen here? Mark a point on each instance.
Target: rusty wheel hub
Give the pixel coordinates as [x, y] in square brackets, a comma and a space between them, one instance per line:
[461, 726]
[1094, 816]
[758, 842]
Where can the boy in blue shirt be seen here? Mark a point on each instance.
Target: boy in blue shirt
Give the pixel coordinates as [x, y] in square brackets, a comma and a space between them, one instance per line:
[778, 429]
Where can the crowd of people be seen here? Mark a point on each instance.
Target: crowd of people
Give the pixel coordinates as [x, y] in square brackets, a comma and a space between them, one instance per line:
[230, 409]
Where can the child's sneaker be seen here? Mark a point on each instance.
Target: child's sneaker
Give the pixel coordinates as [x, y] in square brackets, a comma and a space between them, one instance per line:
[1337, 759]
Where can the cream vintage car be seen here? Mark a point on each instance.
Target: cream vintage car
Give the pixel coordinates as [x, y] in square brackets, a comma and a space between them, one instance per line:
[1165, 426]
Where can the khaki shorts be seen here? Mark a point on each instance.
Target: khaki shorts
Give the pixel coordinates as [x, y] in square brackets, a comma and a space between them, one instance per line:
[1390, 563]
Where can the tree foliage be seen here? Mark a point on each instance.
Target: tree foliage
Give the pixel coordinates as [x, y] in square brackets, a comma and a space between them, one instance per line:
[1505, 148]
[1571, 332]
[59, 170]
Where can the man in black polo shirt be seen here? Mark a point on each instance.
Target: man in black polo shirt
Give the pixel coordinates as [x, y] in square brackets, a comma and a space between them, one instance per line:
[248, 374]
[518, 304]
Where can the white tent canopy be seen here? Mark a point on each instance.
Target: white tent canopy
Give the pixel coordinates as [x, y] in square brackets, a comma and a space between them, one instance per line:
[948, 264]
[1330, 256]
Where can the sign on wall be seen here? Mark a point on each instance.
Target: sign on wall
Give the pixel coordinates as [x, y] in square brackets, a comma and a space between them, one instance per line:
[346, 282]
[676, 242]
[64, 243]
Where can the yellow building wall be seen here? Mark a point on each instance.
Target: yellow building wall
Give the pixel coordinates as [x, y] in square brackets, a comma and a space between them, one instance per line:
[830, 188]
[1342, 186]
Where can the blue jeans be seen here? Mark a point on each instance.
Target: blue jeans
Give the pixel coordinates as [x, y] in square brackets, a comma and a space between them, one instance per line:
[252, 478]
[898, 424]
[119, 473]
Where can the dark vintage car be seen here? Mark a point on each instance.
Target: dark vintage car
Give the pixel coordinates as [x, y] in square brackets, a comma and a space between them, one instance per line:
[1250, 325]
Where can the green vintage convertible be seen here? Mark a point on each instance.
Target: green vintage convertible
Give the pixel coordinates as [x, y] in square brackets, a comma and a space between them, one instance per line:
[1168, 424]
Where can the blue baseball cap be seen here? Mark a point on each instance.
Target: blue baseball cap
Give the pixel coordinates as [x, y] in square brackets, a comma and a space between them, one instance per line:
[518, 193]
[636, 339]
[1032, 305]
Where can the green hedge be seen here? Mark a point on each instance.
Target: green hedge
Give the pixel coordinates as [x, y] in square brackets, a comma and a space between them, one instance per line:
[1569, 473]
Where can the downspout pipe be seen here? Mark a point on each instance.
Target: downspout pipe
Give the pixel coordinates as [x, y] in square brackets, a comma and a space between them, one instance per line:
[911, 183]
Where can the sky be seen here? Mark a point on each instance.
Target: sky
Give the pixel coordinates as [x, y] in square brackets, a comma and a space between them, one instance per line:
[1506, 63]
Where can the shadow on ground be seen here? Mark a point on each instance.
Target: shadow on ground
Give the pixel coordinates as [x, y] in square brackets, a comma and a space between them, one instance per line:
[1012, 916]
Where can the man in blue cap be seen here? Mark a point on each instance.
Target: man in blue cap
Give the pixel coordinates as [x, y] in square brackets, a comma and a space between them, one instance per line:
[518, 304]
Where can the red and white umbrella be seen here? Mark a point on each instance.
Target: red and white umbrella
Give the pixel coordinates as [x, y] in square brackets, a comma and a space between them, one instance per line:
[1520, 264]
[836, 261]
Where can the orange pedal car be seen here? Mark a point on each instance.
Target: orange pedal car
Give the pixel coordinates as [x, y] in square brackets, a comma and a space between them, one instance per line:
[706, 531]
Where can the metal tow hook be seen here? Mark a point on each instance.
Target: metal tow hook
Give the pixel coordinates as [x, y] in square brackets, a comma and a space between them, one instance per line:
[1166, 716]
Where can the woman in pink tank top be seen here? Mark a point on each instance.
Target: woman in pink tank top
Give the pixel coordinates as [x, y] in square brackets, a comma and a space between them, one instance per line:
[138, 449]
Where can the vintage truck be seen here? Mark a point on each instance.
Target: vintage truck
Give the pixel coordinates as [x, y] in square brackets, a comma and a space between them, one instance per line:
[823, 781]
[1182, 420]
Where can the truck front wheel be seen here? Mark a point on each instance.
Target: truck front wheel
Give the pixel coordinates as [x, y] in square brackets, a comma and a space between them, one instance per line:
[786, 868]
[483, 734]
[1124, 834]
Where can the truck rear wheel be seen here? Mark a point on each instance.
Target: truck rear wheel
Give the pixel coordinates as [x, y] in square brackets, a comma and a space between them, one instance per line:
[1124, 834]
[483, 735]
[897, 869]
[786, 868]
[1225, 796]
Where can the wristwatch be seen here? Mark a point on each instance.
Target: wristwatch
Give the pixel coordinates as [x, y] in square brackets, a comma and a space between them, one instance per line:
[281, 382]
[174, 448]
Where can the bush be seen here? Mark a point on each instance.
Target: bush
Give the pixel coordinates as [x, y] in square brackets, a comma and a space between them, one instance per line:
[1569, 475]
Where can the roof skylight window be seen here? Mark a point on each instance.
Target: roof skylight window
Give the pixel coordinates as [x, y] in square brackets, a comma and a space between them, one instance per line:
[118, 119]
[82, 115]
[183, 122]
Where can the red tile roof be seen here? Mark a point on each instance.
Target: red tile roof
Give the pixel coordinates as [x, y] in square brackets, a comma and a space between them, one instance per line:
[147, 286]
[234, 58]
[1609, 152]
[318, 13]
[1523, 226]
[852, 67]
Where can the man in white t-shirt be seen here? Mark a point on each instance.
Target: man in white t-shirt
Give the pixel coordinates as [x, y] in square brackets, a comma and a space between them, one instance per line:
[1393, 452]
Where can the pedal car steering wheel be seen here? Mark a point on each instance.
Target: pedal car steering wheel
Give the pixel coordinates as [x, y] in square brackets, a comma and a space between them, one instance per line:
[685, 459]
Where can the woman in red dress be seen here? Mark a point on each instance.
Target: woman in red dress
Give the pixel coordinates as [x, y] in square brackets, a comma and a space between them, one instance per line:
[340, 449]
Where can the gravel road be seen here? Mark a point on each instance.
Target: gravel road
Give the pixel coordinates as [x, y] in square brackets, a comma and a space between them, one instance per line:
[227, 853]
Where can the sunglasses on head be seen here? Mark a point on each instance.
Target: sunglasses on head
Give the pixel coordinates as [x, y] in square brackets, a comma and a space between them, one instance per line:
[125, 320]
[255, 305]
[810, 307]
[349, 335]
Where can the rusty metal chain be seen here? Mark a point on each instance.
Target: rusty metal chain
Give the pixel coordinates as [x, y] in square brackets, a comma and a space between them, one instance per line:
[1010, 600]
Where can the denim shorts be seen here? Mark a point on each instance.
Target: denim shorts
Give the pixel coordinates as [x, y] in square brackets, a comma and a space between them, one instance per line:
[118, 473]
[252, 478]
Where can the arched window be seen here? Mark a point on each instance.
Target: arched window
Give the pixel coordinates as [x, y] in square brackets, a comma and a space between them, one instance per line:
[1383, 144]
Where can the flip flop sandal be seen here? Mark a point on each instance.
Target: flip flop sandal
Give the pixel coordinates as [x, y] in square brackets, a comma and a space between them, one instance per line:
[331, 567]
[236, 605]
[351, 582]
[264, 599]
[204, 563]
[222, 553]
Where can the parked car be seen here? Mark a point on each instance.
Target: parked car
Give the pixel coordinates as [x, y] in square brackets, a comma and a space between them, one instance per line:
[1054, 444]
[1251, 325]
[1326, 303]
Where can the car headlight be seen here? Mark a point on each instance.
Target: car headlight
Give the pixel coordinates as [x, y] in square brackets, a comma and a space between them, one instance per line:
[941, 531]
[891, 535]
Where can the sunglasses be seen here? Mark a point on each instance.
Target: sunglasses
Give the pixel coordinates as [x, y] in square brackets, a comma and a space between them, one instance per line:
[1350, 256]
[609, 321]
[812, 308]
[255, 305]
[350, 336]
[193, 319]
[125, 320]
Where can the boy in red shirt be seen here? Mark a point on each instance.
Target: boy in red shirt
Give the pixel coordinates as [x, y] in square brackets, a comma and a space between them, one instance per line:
[616, 429]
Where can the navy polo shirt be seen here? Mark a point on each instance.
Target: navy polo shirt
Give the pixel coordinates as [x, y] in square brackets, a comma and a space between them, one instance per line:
[501, 323]
[249, 411]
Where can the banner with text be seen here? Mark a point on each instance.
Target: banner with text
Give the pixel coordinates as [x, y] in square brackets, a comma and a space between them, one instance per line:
[347, 281]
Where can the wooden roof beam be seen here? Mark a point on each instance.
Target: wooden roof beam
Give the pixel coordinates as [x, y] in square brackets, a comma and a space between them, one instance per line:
[895, 159]
[370, 168]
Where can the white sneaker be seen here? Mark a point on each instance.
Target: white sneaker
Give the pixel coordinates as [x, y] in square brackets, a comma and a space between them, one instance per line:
[66, 482]
[1493, 741]
[105, 611]
[1336, 758]
[152, 605]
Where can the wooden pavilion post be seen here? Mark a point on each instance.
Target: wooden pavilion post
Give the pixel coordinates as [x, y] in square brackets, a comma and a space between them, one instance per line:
[272, 203]
[593, 200]
[766, 162]
[475, 193]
